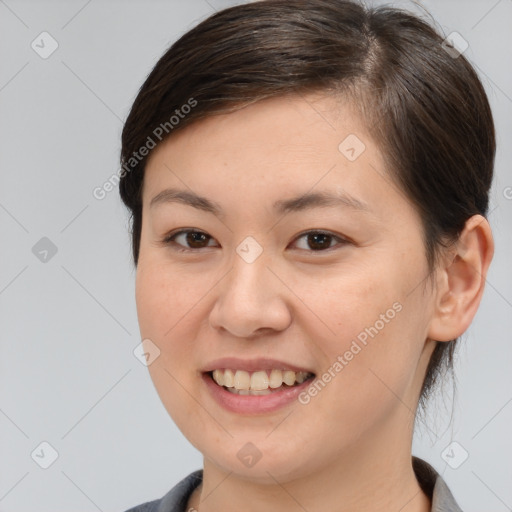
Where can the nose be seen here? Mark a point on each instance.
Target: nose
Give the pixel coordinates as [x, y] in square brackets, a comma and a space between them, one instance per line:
[251, 300]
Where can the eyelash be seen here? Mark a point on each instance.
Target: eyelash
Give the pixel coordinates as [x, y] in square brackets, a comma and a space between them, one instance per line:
[169, 239]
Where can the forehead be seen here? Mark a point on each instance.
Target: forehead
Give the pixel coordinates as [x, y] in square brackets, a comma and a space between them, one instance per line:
[315, 122]
[277, 147]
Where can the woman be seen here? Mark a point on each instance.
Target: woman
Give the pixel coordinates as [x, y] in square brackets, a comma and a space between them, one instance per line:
[308, 182]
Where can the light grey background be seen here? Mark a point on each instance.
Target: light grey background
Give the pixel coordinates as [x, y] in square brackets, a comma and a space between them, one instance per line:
[68, 375]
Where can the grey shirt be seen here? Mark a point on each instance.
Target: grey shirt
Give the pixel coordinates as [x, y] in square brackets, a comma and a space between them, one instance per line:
[430, 481]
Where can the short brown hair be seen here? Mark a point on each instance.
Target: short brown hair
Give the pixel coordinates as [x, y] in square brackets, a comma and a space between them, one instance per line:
[423, 105]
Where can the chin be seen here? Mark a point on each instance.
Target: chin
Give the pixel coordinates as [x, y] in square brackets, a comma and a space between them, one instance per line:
[262, 460]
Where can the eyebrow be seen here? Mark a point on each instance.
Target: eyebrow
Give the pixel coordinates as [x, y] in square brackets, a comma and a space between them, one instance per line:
[294, 204]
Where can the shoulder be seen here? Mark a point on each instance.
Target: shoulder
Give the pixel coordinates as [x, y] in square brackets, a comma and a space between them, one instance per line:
[435, 487]
[176, 499]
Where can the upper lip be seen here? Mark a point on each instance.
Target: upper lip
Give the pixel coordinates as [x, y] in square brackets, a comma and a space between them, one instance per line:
[251, 365]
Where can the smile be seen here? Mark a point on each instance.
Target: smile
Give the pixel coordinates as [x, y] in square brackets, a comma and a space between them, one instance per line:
[257, 383]
[249, 401]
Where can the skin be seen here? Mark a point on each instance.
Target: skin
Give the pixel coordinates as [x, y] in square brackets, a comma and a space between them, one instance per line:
[349, 448]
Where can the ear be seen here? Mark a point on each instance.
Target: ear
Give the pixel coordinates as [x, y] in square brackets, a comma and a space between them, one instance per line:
[461, 280]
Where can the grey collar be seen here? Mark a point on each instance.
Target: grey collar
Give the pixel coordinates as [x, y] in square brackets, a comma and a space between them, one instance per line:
[430, 481]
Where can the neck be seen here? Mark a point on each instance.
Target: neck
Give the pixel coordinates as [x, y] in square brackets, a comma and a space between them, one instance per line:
[372, 475]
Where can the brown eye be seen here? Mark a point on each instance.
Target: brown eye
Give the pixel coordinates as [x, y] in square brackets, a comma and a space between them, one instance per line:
[320, 241]
[189, 239]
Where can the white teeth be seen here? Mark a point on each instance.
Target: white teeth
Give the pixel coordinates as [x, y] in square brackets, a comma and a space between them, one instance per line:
[276, 378]
[242, 380]
[289, 377]
[229, 378]
[259, 382]
[218, 377]
[260, 392]
[249, 391]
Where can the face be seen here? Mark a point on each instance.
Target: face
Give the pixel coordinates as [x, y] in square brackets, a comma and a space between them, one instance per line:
[260, 269]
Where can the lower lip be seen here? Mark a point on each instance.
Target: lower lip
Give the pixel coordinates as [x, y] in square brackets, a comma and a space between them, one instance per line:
[255, 404]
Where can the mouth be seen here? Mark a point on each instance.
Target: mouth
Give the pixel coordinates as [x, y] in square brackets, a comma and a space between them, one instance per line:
[259, 385]
[259, 382]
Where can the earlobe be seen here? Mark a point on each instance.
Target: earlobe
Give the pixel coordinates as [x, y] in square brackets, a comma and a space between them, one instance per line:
[461, 280]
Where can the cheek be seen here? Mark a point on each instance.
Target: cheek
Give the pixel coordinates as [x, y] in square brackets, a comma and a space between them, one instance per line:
[166, 298]
[375, 338]
[168, 308]
[346, 301]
